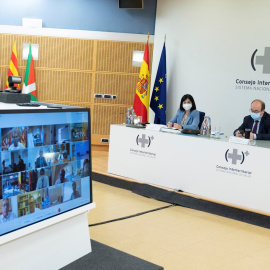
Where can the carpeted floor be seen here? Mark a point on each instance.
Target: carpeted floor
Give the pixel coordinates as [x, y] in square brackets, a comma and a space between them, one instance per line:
[104, 257]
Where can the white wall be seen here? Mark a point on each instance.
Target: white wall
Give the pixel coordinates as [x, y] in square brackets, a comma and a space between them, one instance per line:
[52, 32]
[209, 45]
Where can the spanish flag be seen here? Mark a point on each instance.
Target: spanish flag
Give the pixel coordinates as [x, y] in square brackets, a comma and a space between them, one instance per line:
[13, 66]
[141, 100]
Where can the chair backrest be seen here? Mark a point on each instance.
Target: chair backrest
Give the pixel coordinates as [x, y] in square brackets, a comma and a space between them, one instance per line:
[202, 114]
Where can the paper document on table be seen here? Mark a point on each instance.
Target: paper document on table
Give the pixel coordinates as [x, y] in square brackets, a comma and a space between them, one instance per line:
[155, 127]
[234, 139]
[170, 130]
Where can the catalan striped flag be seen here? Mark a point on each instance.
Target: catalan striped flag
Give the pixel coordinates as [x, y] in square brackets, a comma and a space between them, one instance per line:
[23, 137]
[29, 85]
[141, 100]
[13, 66]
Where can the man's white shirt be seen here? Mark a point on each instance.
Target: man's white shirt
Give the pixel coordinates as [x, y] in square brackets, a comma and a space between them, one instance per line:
[9, 217]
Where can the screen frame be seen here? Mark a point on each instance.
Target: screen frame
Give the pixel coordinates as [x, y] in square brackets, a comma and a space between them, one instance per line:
[38, 225]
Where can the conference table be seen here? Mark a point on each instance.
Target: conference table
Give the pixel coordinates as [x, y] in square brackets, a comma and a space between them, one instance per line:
[215, 169]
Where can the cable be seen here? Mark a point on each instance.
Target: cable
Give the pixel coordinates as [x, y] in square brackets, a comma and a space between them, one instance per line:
[136, 215]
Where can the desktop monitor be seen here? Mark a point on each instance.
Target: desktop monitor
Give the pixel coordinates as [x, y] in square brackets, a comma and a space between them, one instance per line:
[45, 167]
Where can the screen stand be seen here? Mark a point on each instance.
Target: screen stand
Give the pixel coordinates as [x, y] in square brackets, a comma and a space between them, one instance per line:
[50, 248]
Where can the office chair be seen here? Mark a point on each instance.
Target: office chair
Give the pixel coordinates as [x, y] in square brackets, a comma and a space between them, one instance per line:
[202, 114]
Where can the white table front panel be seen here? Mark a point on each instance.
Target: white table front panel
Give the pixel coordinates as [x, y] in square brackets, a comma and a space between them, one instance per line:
[231, 173]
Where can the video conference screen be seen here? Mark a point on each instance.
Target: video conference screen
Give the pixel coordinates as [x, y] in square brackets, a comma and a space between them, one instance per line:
[45, 166]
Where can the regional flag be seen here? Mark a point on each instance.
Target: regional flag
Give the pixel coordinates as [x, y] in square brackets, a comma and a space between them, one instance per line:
[29, 85]
[19, 179]
[13, 66]
[158, 99]
[141, 100]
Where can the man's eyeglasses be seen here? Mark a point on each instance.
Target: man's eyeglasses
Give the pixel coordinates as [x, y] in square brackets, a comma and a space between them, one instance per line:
[254, 111]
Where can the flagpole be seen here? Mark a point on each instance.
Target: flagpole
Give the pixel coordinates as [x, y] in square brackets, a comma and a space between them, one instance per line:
[165, 39]
[148, 37]
[30, 42]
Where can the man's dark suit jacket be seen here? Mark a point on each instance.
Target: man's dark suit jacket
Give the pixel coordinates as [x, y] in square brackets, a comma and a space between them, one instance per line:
[41, 162]
[264, 129]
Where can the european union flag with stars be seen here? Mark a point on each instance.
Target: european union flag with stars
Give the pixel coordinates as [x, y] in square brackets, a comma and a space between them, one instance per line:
[158, 99]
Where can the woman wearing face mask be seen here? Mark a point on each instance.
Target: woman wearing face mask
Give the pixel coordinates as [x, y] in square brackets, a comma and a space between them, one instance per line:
[187, 116]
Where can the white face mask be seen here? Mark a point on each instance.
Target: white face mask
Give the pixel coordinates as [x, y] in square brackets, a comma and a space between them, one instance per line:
[187, 106]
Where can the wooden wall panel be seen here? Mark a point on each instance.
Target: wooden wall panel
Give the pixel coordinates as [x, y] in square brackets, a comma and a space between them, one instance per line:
[63, 85]
[54, 52]
[104, 116]
[70, 71]
[6, 43]
[3, 75]
[122, 85]
[64, 53]
[116, 56]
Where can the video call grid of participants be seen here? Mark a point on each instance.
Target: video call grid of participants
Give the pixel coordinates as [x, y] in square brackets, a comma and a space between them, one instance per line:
[42, 166]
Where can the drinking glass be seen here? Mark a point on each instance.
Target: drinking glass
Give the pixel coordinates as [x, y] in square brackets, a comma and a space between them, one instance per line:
[217, 131]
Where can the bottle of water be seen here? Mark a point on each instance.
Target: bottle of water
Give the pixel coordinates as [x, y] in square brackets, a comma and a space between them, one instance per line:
[127, 117]
[206, 126]
[130, 116]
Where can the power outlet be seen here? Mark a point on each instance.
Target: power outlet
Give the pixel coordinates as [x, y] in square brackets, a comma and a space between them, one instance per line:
[98, 96]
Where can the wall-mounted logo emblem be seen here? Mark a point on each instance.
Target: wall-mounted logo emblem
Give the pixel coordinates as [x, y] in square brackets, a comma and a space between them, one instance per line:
[144, 140]
[263, 60]
[234, 156]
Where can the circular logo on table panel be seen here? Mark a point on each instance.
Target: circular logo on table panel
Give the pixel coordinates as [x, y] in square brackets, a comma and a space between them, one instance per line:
[144, 140]
[235, 156]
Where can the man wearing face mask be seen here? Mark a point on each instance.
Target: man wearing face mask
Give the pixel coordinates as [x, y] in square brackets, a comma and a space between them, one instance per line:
[187, 116]
[258, 122]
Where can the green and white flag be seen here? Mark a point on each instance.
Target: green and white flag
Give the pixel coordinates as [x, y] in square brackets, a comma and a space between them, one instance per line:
[29, 85]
